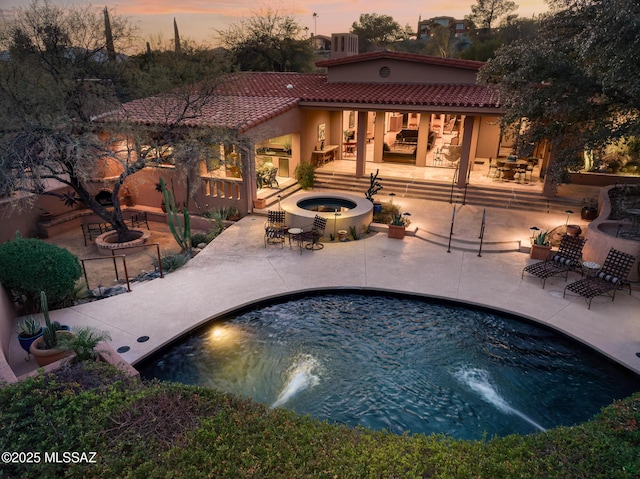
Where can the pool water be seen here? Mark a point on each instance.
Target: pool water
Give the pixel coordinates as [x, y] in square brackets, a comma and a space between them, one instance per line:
[326, 204]
[387, 362]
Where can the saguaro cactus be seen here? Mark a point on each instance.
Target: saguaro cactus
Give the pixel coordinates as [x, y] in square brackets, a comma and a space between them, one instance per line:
[182, 234]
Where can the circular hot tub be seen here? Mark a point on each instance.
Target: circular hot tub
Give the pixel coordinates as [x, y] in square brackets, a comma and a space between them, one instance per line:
[341, 210]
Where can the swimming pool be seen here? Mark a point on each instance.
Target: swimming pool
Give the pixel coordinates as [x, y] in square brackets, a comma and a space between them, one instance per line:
[402, 364]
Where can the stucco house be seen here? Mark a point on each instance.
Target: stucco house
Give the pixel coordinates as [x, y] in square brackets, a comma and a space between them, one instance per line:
[370, 108]
[364, 110]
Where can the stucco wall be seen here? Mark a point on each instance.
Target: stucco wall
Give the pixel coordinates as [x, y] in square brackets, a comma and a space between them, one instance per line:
[399, 72]
[488, 137]
[603, 179]
[7, 329]
[600, 236]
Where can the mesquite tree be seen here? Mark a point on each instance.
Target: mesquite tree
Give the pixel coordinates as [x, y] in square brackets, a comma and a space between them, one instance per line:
[577, 82]
[62, 90]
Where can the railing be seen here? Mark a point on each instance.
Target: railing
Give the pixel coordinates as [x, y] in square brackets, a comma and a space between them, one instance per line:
[222, 188]
[124, 262]
[453, 184]
[482, 228]
[115, 267]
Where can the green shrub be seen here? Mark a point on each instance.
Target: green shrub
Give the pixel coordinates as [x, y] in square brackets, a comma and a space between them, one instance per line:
[305, 175]
[152, 429]
[198, 238]
[205, 238]
[172, 262]
[30, 265]
[389, 210]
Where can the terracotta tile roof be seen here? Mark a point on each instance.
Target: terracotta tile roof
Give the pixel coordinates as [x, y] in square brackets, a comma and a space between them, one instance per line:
[315, 88]
[245, 100]
[238, 113]
[410, 57]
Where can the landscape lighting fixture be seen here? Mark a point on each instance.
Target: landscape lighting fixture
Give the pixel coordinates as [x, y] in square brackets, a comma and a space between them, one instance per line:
[533, 230]
[569, 213]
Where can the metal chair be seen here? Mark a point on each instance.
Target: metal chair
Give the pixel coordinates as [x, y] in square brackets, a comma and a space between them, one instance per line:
[493, 165]
[271, 179]
[136, 220]
[452, 155]
[608, 280]
[564, 260]
[90, 231]
[312, 236]
[274, 228]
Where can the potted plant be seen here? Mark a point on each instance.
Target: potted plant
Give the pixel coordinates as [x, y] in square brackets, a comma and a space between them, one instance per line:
[45, 216]
[233, 214]
[589, 210]
[305, 175]
[29, 329]
[45, 348]
[374, 188]
[398, 225]
[540, 247]
[83, 343]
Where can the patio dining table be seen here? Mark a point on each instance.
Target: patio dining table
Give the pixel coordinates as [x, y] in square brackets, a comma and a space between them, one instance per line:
[508, 169]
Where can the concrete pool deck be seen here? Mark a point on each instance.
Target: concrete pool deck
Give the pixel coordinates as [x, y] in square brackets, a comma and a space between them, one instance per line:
[236, 269]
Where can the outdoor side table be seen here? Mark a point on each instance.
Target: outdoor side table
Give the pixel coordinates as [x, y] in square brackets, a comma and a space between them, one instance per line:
[590, 268]
[294, 234]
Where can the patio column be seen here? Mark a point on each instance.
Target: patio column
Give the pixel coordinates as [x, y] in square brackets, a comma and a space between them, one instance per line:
[465, 151]
[423, 139]
[361, 146]
[249, 183]
[378, 136]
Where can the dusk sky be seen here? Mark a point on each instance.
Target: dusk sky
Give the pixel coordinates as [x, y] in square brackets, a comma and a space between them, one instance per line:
[199, 19]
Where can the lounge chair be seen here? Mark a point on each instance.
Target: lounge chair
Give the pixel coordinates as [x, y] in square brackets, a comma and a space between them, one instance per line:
[311, 235]
[561, 262]
[608, 280]
[274, 228]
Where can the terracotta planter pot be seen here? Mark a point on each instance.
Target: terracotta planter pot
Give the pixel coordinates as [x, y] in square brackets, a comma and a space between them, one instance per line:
[47, 356]
[588, 213]
[574, 230]
[539, 251]
[260, 203]
[396, 231]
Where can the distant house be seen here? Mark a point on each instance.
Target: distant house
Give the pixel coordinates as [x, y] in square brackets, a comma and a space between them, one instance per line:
[321, 43]
[427, 27]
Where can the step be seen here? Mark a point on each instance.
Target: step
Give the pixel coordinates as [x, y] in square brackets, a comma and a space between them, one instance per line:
[439, 191]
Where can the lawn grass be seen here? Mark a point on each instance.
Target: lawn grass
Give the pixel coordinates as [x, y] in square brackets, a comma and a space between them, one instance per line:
[152, 430]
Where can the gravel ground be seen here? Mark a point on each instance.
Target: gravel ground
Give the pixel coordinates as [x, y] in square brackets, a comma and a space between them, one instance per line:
[102, 273]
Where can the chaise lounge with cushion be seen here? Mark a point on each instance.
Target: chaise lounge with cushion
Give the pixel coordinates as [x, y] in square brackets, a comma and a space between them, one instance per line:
[564, 260]
[608, 280]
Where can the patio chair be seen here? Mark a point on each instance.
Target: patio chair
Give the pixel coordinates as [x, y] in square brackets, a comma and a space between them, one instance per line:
[493, 165]
[274, 228]
[452, 155]
[136, 220]
[312, 236]
[561, 262]
[608, 280]
[90, 231]
[271, 179]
